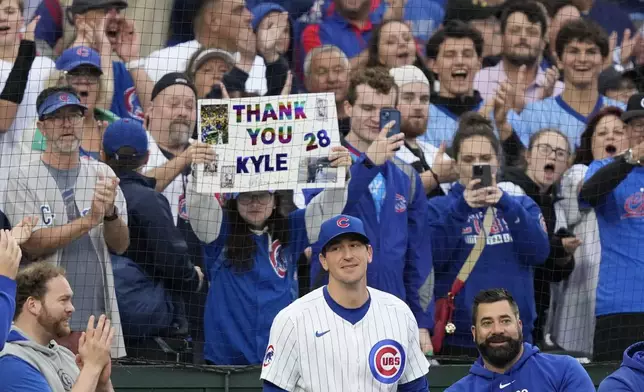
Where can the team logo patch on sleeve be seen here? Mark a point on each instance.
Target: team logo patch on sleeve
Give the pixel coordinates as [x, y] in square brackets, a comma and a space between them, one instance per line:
[387, 361]
[401, 203]
[268, 358]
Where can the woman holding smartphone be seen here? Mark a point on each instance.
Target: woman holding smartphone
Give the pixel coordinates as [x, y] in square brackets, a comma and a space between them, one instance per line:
[502, 237]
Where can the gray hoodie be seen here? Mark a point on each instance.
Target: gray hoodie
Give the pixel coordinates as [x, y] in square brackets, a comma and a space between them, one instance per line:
[56, 363]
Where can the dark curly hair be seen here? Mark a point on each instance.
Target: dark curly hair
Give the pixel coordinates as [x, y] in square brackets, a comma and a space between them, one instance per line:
[32, 282]
[377, 78]
[582, 30]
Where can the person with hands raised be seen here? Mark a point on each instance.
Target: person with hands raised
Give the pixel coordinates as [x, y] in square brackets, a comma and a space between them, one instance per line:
[223, 25]
[10, 256]
[272, 26]
[613, 188]
[93, 358]
[482, 236]
[392, 205]
[24, 75]
[102, 26]
[80, 207]
[433, 165]
[524, 27]
[252, 248]
[32, 360]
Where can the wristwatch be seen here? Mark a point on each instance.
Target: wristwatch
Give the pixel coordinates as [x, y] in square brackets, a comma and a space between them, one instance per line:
[113, 217]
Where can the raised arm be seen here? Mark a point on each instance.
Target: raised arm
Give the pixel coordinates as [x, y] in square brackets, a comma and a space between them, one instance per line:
[206, 215]
[330, 202]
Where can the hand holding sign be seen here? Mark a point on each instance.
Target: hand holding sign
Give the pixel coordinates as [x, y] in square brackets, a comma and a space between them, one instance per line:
[383, 148]
[339, 157]
[199, 152]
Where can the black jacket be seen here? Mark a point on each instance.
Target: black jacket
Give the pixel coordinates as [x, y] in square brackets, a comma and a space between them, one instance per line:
[157, 245]
[554, 269]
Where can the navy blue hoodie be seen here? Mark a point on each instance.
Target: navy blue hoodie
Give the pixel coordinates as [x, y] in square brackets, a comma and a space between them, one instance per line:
[517, 242]
[534, 371]
[630, 376]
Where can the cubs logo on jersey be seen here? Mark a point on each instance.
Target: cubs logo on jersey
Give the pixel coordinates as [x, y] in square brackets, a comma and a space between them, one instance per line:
[47, 215]
[634, 206]
[401, 203]
[277, 259]
[132, 104]
[387, 361]
[268, 357]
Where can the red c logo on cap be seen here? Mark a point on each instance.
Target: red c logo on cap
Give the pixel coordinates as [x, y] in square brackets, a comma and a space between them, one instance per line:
[83, 52]
[64, 97]
[343, 222]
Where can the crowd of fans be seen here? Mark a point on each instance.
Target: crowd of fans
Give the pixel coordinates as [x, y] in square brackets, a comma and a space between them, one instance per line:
[98, 138]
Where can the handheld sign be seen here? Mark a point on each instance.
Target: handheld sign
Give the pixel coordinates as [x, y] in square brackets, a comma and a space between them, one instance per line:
[269, 143]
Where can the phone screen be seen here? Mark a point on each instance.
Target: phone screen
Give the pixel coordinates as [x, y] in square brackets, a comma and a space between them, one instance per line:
[484, 173]
[387, 115]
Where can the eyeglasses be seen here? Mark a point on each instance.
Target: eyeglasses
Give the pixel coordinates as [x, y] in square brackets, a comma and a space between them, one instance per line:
[60, 120]
[546, 150]
[247, 198]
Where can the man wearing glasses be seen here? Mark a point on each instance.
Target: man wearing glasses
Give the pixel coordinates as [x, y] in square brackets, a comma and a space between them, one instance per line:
[81, 208]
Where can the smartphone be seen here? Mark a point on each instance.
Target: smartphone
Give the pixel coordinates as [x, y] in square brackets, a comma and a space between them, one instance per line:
[484, 173]
[387, 115]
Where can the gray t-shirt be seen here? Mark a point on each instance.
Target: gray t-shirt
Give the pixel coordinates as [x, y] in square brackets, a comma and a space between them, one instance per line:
[85, 272]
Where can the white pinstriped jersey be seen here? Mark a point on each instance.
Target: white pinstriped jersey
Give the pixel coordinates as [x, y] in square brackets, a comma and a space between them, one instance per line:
[311, 348]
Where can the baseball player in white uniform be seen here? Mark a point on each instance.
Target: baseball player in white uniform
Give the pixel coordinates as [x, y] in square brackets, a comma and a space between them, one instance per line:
[345, 336]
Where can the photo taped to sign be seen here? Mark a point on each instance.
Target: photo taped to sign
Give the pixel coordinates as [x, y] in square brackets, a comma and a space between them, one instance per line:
[214, 124]
[316, 170]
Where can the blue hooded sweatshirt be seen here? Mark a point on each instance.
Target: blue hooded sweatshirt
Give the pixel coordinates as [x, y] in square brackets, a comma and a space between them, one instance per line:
[534, 371]
[517, 242]
[630, 376]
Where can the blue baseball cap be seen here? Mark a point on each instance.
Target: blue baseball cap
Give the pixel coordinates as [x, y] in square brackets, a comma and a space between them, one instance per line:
[73, 58]
[341, 225]
[57, 101]
[260, 11]
[125, 133]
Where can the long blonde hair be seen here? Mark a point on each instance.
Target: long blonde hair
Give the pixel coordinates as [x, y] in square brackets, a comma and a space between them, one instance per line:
[58, 78]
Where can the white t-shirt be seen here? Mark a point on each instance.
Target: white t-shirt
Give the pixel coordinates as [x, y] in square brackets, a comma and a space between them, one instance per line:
[312, 348]
[174, 192]
[13, 149]
[175, 59]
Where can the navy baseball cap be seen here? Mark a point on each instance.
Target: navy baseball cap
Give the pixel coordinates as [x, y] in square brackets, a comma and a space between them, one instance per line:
[341, 225]
[125, 132]
[635, 108]
[57, 101]
[260, 11]
[73, 58]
